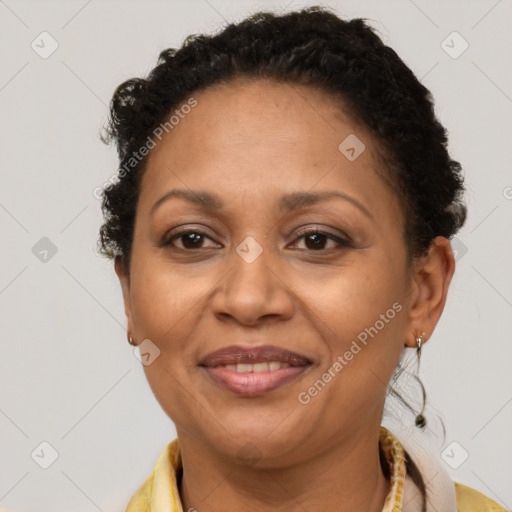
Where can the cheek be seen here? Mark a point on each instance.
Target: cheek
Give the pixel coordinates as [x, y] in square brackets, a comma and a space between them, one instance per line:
[166, 311]
[354, 297]
[164, 297]
[364, 310]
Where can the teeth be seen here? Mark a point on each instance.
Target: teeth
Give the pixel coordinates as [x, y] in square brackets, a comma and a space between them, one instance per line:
[260, 367]
[256, 368]
[243, 368]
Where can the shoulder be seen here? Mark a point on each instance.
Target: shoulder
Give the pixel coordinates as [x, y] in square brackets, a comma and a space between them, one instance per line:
[142, 498]
[160, 489]
[470, 500]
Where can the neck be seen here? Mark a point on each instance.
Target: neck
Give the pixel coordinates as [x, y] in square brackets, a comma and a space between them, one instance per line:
[346, 477]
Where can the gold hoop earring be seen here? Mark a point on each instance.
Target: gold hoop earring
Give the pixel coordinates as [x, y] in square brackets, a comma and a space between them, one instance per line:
[130, 341]
[420, 421]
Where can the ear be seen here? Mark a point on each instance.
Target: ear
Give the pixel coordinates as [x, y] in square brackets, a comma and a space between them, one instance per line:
[124, 279]
[433, 273]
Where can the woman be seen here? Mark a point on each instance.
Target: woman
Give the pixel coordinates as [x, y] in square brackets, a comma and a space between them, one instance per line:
[281, 233]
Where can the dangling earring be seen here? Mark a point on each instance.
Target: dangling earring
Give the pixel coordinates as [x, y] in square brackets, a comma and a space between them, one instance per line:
[420, 422]
[130, 341]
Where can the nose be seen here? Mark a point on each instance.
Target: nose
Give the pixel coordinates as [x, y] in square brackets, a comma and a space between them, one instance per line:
[253, 290]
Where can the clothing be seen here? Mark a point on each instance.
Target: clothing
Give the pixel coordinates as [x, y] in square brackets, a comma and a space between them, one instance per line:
[160, 491]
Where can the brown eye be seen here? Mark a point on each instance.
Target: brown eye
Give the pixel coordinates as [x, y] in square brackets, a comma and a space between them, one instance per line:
[316, 240]
[189, 240]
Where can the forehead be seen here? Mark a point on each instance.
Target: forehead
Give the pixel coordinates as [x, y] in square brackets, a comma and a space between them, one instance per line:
[259, 138]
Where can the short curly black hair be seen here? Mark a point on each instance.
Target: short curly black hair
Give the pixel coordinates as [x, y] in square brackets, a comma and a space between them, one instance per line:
[313, 46]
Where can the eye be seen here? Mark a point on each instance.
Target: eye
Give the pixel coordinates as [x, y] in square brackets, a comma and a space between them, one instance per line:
[316, 239]
[191, 239]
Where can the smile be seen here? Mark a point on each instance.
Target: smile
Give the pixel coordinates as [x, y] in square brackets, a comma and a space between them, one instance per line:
[254, 370]
[254, 379]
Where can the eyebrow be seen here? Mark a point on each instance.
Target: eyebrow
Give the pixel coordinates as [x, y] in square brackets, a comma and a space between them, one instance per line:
[287, 203]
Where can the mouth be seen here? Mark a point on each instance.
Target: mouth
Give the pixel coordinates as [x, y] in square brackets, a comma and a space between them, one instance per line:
[254, 371]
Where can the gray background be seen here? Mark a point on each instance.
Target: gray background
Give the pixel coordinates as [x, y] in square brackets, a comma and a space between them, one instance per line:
[68, 376]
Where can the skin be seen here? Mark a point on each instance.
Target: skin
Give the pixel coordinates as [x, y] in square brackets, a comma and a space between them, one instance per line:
[250, 143]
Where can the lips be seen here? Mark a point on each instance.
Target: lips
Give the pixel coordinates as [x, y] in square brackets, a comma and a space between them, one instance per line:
[235, 355]
[253, 371]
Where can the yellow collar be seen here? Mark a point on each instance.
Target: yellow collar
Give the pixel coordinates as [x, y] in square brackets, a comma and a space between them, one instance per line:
[160, 491]
[395, 457]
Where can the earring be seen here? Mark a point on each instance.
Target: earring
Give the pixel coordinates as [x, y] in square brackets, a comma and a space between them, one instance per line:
[420, 422]
[130, 341]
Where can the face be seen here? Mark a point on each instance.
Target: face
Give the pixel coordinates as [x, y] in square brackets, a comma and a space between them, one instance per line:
[296, 245]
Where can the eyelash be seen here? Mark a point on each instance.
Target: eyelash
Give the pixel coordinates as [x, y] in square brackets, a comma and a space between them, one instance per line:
[340, 241]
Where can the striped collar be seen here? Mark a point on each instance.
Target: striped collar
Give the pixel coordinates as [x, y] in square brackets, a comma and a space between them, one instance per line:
[395, 457]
